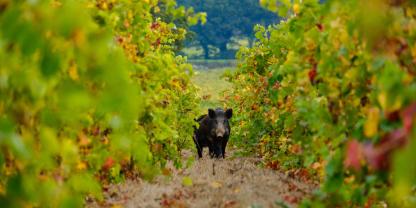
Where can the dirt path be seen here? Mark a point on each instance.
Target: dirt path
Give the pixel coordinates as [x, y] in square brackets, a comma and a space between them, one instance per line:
[233, 182]
[226, 183]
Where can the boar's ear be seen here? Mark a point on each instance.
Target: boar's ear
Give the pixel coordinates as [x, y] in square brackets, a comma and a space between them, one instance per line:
[229, 113]
[211, 113]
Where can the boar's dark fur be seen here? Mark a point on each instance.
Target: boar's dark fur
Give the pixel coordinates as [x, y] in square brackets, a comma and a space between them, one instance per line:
[213, 132]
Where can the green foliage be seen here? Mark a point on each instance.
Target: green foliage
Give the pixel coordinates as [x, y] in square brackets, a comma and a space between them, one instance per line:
[332, 89]
[183, 18]
[226, 19]
[90, 91]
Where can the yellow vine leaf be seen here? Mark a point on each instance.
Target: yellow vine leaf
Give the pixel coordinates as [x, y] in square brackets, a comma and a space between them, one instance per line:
[296, 8]
[389, 107]
[382, 100]
[371, 125]
[73, 72]
[81, 165]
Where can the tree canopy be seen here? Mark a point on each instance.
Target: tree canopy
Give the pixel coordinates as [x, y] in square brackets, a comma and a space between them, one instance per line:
[227, 19]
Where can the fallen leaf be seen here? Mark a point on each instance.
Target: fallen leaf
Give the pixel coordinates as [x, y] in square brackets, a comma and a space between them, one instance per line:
[291, 199]
[230, 203]
[166, 171]
[216, 184]
[187, 181]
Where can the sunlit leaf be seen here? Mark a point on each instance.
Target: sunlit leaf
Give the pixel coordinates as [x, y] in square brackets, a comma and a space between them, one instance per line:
[371, 125]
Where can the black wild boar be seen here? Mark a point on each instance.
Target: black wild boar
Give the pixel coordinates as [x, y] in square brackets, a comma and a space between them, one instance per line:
[213, 132]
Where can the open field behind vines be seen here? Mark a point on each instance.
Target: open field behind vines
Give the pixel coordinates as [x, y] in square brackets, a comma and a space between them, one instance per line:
[212, 84]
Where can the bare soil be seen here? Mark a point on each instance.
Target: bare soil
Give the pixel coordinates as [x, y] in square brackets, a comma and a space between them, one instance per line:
[230, 182]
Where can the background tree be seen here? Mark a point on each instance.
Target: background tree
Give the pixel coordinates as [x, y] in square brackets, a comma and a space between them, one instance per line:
[181, 17]
[227, 19]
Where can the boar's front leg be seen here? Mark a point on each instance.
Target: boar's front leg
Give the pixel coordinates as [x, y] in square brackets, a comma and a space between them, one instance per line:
[211, 150]
[217, 150]
[198, 147]
[199, 152]
[224, 144]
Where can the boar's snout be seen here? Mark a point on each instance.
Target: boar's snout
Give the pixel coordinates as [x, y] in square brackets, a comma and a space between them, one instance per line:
[220, 131]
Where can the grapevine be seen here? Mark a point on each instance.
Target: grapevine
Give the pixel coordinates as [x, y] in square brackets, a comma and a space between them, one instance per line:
[331, 89]
[91, 92]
